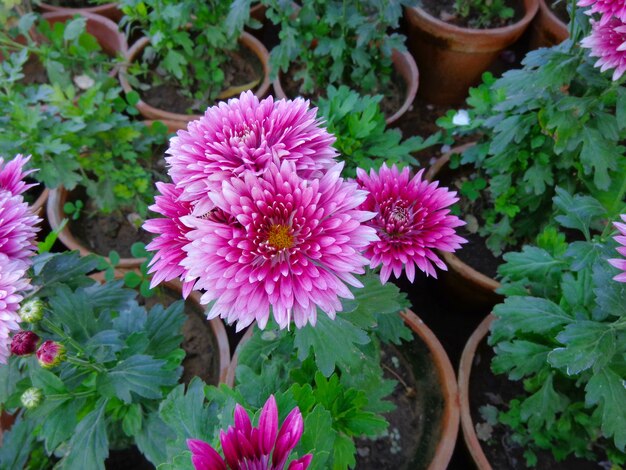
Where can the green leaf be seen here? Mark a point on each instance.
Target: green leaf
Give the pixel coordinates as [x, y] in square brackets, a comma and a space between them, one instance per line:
[607, 390]
[344, 452]
[528, 315]
[587, 344]
[519, 358]
[174, 63]
[152, 437]
[131, 423]
[47, 381]
[132, 279]
[598, 155]
[139, 374]
[18, 443]
[163, 328]
[74, 28]
[318, 438]
[114, 257]
[67, 268]
[333, 342]
[532, 263]
[578, 211]
[90, 445]
[541, 408]
[60, 424]
[74, 311]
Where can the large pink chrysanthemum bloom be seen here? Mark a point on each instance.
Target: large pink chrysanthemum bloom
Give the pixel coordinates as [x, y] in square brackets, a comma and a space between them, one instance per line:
[608, 42]
[12, 284]
[620, 263]
[292, 246]
[260, 448]
[606, 8]
[246, 134]
[166, 263]
[12, 175]
[18, 227]
[412, 219]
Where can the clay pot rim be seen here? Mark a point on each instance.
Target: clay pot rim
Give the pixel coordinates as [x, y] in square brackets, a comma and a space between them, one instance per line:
[108, 23]
[445, 373]
[405, 66]
[108, 10]
[216, 324]
[465, 370]
[436, 26]
[453, 261]
[150, 112]
[38, 206]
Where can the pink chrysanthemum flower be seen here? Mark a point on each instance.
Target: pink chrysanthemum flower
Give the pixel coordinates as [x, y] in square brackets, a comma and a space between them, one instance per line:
[412, 219]
[294, 244]
[18, 227]
[12, 284]
[166, 263]
[12, 175]
[620, 263]
[608, 43]
[606, 8]
[261, 448]
[247, 135]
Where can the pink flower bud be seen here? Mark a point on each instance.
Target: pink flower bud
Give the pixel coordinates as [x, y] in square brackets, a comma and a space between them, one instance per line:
[24, 343]
[50, 354]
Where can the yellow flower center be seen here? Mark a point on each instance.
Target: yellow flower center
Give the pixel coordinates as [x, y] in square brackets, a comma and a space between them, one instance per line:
[279, 237]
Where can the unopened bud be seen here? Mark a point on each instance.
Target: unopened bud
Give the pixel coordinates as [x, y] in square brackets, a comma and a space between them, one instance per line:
[50, 354]
[31, 398]
[31, 311]
[24, 343]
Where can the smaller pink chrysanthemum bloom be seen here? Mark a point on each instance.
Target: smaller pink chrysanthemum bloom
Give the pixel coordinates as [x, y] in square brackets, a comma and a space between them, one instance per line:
[620, 263]
[12, 284]
[18, 227]
[12, 175]
[246, 135]
[291, 245]
[608, 42]
[166, 263]
[261, 448]
[412, 219]
[606, 8]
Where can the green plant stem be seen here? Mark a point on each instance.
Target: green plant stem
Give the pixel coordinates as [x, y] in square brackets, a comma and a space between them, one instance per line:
[64, 337]
[81, 362]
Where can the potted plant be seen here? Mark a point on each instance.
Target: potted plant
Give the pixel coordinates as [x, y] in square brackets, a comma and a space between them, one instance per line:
[456, 41]
[333, 43]
[108, 10]
[559, 332]
[538, 130]
[169, 67]
[549, 27]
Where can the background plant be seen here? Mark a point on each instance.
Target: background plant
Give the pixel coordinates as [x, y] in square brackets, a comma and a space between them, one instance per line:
[335, 42]
[119, 363]
[561, 330]
[557, 121]
[190, 42]
[363, 140]
[484, 13]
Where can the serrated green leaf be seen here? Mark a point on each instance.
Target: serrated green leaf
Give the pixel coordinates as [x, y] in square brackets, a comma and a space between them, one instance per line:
[74, 28]
[519, 358]
[532, 262]
[586, 344]
[607, 390]
[578, 211]
[132, 421]
[163, 327]
[151, 439]
[318, 438]
[541, 408]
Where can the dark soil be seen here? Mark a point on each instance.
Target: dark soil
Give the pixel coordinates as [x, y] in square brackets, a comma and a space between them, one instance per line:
[242, 67]
[127, 459]
[444, 10]
[34, 72]
[200, 345]
[393, 94]
[102, 233]
[485, 388]
[476, 254]
[559, 8]
[414, 426]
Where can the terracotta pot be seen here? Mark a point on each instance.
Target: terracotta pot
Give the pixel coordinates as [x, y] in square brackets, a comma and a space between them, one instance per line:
[403, 63]
[547, 29]
[6, 421]
[150, 112]
[105, 31]
[462, 279]
[451, 58]
[54, 209]
[217, 326]
[449, 425]
[465, 369]
[40, 202]
[108, 10]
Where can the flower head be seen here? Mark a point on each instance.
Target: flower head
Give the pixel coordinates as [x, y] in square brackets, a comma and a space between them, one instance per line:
[620, 263]
[608, 42]
[24, 343]
[244, 135]
[166, 263]
[412, 219]
[50, 354]
[12, 283]
[606, 8]
[18, 227]
[12, 175]
[291, 245]
[263, 448]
